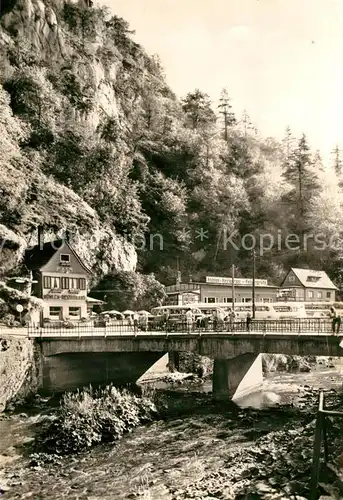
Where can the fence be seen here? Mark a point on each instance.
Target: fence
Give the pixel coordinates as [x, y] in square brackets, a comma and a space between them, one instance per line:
[265, 327]
[321, 440]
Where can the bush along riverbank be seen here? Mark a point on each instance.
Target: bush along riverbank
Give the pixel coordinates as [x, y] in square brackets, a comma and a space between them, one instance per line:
[90, 417]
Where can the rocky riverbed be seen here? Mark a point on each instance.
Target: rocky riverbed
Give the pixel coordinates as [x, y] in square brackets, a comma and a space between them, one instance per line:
[198, 450]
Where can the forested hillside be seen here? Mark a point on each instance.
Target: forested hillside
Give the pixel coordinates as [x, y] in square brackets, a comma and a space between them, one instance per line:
[93, 140]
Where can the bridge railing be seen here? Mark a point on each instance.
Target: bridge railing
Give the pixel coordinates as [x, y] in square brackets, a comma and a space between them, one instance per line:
[308, 326]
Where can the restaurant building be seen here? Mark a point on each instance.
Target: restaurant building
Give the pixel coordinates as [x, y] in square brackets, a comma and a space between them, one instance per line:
[307, 285]
[61, 279]
[216, 289]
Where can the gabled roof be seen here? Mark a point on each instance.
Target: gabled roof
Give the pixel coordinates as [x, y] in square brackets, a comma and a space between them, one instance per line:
[322, 281]
[38, 256]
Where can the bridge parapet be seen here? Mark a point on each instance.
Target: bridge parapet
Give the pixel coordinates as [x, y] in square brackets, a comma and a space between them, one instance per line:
[214, 345]
[308, 326]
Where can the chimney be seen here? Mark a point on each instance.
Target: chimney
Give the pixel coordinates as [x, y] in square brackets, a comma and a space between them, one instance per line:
[190, 279]
[40, 237]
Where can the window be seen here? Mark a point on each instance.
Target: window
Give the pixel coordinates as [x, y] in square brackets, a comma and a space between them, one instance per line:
[55, 311]
[65, 283]
[55, 283]
[211, 300]
[75, 312]
[73, 282]
[47, 282]
[328, 295]
[82, 284]
[64, 257]
[310, 294]
[320, 295]
[262, 308]
[282, 308]
[312, 279]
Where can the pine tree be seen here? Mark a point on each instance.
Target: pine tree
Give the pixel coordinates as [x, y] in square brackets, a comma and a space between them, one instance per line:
[246, 123]
[300, 176]
[288, 144]
[317, 162]
[337, 162]
[197, 107]
[225, 109]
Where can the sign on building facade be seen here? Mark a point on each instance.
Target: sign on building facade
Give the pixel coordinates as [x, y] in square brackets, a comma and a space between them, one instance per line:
[216, 280]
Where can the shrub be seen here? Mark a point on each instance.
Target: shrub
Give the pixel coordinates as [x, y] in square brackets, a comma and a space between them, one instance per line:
[90, 417]
[9, 320]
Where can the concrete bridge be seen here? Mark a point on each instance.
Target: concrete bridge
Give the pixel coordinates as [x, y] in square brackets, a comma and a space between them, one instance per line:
[83, 354]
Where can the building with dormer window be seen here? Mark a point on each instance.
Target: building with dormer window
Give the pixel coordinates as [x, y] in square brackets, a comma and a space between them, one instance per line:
[61, 279]
[308, 285]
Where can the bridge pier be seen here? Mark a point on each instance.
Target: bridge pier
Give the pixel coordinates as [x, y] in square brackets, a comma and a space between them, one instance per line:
[236, 377]
[70, 371]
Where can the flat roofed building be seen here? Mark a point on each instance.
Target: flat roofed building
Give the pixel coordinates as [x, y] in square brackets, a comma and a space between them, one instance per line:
[217, 289]
[308, 285]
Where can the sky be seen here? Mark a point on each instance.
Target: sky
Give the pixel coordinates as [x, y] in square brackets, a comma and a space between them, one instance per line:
[281, 60]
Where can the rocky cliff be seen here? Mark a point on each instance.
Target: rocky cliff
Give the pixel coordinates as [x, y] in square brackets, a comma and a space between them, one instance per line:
[20, 369]
[96, 142]
[39, 41]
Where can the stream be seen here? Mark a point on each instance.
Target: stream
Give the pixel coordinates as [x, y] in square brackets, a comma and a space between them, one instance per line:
[202, 450]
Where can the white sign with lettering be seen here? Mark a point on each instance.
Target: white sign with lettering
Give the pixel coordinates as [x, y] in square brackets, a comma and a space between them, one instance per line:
[216, 280]
[56, 293]
[64, 297]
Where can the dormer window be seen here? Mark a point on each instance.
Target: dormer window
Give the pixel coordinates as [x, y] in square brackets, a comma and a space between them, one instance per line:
[64, 257]
[312, 279]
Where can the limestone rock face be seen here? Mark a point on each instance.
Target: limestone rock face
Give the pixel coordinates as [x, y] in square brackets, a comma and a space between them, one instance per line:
[20, 369]
[39, 28]
[37, 23]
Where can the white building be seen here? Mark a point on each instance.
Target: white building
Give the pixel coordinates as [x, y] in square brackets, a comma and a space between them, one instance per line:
[308, 285]
[217, 289]
[61, 281]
